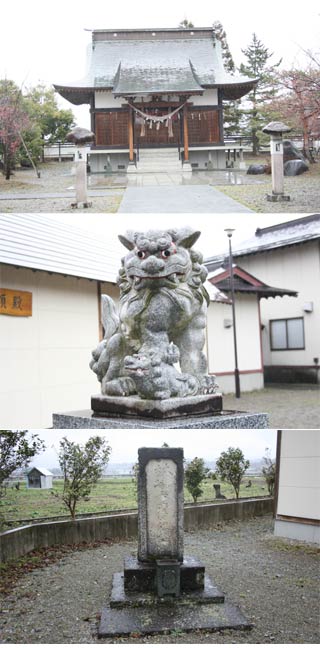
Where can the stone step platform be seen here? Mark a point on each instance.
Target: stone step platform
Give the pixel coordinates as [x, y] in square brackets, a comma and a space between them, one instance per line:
[170, 616]
[159, 161]
[121, 598]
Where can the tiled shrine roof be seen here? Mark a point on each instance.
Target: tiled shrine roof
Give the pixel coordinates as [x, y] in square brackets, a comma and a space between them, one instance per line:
[133, 62]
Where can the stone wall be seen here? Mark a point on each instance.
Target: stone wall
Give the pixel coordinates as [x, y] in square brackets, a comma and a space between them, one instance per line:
[17, 542]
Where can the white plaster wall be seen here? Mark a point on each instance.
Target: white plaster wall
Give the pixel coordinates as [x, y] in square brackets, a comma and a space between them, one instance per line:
[45, 358]
[220, 347]
[299, 478]
[209, 98]
[297, 268]
[105, 99]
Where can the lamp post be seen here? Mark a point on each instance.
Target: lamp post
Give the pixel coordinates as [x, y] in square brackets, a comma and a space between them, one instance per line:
[229, 233]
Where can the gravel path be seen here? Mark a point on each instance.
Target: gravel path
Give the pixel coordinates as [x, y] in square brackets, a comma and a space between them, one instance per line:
[250, 191]
[304, 192]
[287, 407]
[273, 581]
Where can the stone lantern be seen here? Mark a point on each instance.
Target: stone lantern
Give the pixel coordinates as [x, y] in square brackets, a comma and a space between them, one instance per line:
[81, 137]
[275, 130]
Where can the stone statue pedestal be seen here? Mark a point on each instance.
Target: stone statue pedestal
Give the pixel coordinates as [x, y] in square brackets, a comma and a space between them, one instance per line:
[86, 419]
[162, 590]
[157, 409]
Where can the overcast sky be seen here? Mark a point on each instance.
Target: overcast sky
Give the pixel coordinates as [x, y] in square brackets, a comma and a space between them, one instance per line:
[46, 42]
[207, 444]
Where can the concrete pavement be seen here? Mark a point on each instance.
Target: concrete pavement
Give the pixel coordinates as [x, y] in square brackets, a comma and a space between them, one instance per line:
[288, 406]
[178, 199]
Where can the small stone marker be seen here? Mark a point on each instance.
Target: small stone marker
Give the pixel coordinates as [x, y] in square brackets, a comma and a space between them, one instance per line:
[81, 137]
[275, 130]
[162, 590]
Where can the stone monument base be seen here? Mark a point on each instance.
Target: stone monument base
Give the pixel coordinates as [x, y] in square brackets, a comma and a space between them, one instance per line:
[85, 419]
[132, 406]
[134, 608]
[278, 198]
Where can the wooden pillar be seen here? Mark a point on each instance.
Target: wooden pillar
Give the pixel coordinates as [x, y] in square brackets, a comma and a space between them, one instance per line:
[185, 134]
[130, 134]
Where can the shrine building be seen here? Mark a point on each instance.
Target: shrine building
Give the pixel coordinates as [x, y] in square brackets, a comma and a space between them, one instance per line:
[156, 100]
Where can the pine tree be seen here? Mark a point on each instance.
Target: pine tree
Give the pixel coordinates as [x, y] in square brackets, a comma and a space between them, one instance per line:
[220, 34]
[186, 24]
[231, 112]
[258, 57]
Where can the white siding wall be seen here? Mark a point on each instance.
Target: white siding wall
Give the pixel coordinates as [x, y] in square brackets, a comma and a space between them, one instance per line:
[297, 268]
[299, 479]
[220, 347]
[45, 358]
[299, 486]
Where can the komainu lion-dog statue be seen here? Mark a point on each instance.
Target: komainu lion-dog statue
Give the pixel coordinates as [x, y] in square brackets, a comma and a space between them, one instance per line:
[162, 314]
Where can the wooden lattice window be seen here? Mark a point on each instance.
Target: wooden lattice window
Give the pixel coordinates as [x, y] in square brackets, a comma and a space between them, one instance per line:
[203, 126]
[112, 128]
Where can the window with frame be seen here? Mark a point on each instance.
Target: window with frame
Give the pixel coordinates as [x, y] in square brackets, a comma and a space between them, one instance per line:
[287, 334]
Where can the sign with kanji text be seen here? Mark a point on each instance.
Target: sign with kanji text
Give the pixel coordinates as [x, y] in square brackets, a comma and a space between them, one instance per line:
[15, 302]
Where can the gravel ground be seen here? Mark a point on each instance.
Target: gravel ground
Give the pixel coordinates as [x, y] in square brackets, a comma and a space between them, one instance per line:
[274, 582]
[304, 192]
[247, 189]
[288, 407]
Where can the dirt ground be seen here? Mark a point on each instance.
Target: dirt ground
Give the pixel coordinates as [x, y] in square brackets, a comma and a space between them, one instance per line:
[274, 581]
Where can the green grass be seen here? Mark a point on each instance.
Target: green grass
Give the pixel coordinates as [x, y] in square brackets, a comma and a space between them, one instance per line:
[110, 494]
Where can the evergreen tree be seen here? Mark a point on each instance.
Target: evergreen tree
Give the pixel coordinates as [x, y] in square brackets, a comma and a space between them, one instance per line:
[257, 66]
[220, 34]
[231, 112]
[82, 466]
[186, 24]
[194, 474]
[231, 467]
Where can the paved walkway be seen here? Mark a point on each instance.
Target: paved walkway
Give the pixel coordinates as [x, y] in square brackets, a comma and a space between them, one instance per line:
[288, 406]
[178, 199]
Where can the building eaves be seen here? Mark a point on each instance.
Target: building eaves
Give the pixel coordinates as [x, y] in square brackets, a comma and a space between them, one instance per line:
[244, 282]
[41, 242]
[291, 233]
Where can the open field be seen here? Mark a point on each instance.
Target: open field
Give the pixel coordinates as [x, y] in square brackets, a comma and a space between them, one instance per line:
[110, 494]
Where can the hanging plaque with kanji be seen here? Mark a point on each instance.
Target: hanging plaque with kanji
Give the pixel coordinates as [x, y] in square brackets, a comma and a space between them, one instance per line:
[15, 302]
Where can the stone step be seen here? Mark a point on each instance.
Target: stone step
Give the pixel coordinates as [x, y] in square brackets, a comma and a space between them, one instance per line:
[159, 161]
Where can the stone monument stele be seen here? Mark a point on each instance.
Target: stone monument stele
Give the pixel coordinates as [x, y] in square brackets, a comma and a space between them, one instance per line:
[161, 589]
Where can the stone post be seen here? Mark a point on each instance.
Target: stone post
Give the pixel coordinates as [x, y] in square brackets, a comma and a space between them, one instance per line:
[81, 137]
[160, 504]
[275, 130]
